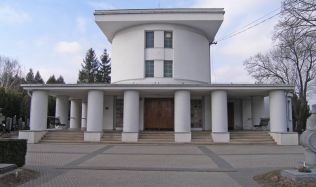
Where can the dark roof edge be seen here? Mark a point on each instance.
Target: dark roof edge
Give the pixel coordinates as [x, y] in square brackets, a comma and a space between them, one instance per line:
[159, 11]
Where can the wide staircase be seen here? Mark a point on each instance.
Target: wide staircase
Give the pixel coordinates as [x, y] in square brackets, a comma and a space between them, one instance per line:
[201, 137]
[156, 137]
[63, 136]
[250, 137]
[161, 137]
[111, 137]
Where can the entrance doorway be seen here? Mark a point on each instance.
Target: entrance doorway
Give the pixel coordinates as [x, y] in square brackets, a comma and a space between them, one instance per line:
[159, 114]
[230, 113]
[196, 114]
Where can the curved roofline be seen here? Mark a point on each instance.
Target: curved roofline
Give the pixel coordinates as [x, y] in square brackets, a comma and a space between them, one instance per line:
[159, 11]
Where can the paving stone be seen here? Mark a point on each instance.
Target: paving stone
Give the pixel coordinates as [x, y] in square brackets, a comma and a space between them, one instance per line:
[156, 165]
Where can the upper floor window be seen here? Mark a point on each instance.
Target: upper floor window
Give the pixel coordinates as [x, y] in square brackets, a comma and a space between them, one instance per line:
[149, 68]
[168, 39]
[149, 38]
[167, 68]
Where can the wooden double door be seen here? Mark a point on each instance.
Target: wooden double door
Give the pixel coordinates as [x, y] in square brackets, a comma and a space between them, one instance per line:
[159, 114]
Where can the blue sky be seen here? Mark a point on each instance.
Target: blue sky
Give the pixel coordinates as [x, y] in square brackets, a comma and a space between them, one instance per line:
[52, 36]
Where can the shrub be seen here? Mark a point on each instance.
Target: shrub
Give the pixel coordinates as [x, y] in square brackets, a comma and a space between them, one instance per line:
[13, 151]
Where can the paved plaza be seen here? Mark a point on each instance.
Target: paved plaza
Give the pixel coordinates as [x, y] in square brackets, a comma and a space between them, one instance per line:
[156, 165]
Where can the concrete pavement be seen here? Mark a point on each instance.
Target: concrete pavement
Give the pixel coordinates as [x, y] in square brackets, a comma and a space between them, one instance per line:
[156, 165]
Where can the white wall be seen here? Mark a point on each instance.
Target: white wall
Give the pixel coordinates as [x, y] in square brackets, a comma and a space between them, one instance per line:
[190, 55]
[257, 106]
[108, 112]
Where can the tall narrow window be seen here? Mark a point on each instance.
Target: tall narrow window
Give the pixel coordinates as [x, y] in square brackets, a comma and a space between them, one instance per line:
[149, 39]
[149, 68]
[168, 39]
[167, 68]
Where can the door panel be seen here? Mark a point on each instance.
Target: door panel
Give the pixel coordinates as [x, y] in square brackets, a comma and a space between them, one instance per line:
[230, 113]
[159, 114]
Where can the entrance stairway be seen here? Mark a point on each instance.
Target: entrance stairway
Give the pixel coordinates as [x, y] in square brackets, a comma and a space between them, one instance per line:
[111, 137]
[201, 137]
[156, 137]
[250, 137]
[63, 136]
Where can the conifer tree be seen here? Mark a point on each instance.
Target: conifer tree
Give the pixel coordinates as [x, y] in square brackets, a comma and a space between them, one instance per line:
[89, 71]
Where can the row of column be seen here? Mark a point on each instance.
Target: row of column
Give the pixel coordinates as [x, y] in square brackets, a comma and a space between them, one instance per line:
[79, 111]
[90, 115]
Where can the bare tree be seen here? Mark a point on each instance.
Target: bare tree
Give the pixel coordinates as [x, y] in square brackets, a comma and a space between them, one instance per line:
[299, 14]
[293, 58]
[10, 73]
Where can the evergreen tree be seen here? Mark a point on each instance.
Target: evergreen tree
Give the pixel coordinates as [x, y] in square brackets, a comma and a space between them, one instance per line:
[51, 80]
[38, 78]
[30, 77]
[104, 68]
[89, 71]
[60, 80]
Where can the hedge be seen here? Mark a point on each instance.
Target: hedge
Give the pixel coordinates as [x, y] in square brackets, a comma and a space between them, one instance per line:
[13, 151]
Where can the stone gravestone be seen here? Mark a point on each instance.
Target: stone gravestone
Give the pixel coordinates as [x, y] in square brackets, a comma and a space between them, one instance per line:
[20, 127]
[8, 123]
[308, 141]
[14, 124]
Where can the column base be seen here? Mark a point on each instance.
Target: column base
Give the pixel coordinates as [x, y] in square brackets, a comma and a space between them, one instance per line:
[221, 137]
[310, 158]
[285, 138]
[92, 136]
[32, 136]
[129, 136]
[182, 137]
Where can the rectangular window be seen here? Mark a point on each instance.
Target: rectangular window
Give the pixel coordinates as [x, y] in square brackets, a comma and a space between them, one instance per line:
[168, 39]
[149, 68]
[149, 39]
[167, 68]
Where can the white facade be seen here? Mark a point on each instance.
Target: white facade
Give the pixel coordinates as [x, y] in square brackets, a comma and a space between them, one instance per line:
[190, 55]
[139, 100]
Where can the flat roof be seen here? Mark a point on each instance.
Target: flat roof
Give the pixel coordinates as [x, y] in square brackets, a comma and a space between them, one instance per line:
[233, 90]
[206, 21]
[159, 11]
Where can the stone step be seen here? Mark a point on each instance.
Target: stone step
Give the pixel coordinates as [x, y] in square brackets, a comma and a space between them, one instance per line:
[250, 137]
[62, 141]
[156, 140]
[252, 143]
[156, 137]
[65, 135]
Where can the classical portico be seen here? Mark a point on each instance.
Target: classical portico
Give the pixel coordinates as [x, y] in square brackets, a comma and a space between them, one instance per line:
[215, 113]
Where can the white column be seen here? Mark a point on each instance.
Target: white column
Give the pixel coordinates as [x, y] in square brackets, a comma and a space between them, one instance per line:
[278, 119]
[62, 109]
[182, 116]
[75, 113]
[289, 112]
[278, 122]
[131, 116]
[38, 114]
[95, 116]
[84, 116]
[219, 117]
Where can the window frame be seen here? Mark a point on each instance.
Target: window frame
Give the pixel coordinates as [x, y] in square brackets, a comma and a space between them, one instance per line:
[149, 74]
[153, 39]
[168, 74]
[170, 41]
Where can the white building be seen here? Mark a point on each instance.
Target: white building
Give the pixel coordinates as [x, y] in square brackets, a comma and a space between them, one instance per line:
[161, 81]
